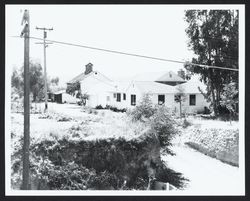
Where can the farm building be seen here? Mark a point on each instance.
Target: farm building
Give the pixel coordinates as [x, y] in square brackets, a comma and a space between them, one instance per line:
[63, 97]
[162, 88]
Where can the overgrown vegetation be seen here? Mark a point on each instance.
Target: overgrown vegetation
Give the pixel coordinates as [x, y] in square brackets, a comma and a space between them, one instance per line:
[69, 160]
[36, 82]
[158, 118]
[144, 110]
[60, 163]
[56, 116]
[112, 108]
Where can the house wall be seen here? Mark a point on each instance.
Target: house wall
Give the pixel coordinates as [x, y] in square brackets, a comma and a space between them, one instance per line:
[98, 96]
[96, 99]
[67, 98]
[132, 89]
[198, 107]
[113, 100]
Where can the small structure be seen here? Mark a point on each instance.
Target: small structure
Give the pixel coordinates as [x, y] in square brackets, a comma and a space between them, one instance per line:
[62, 97]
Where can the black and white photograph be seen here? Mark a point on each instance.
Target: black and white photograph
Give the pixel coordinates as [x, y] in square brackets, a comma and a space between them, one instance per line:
[124, 99]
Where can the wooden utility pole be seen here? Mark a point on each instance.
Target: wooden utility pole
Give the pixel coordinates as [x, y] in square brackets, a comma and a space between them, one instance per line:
[26, 143]
[44, 54]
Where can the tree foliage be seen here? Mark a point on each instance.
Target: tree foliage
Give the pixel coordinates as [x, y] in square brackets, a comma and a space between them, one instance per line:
[213, 38]
[36, 81]
[229, 98]
[55, 80]
[73, 88]
[144, 110]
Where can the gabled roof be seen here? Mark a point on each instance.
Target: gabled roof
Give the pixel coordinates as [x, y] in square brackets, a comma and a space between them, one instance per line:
[121, 86]
[192, 86]
[100, 87]
[154, 87]
[82, 76]
[166, 76]
[79, 77]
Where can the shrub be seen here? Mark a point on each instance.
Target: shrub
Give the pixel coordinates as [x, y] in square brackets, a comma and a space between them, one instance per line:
[99, 107]
[163, 124]
[68, 177]
[63, 118]
[144, 110]
[115, 109]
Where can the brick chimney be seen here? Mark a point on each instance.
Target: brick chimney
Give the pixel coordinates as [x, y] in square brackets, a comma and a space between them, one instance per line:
[88, 68]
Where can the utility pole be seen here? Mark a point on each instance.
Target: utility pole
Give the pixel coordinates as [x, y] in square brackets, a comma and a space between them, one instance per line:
[44, 54]
[25, 33]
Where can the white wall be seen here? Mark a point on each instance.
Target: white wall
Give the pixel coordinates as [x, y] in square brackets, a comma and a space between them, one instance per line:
[91, 81]
[198, 107]
[98, 96]
[132, 90]
[67, 98]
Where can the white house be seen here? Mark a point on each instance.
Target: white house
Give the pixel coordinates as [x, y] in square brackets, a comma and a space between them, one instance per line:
[127, 94]
[161, 94]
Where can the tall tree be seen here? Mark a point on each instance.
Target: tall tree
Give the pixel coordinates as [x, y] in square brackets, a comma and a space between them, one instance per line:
[213, 38]
[55, 80]
[17, 83]
[36, 81]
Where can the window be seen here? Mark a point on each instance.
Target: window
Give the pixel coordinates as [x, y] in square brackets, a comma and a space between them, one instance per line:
[133, 99]
[108, 98]
[114, 95]
[192, 100]
[161, 99]
[124, 96]
[118, 97]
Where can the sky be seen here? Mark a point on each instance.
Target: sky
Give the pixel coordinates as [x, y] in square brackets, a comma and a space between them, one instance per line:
[151, 30]
[157, 31]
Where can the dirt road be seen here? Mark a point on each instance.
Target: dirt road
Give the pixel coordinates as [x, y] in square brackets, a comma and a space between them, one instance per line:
[206, 175]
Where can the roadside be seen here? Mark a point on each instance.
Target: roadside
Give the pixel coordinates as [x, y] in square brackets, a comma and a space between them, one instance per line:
[206, 175]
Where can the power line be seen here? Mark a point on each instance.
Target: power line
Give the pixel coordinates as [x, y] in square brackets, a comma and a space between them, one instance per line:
[136, 55]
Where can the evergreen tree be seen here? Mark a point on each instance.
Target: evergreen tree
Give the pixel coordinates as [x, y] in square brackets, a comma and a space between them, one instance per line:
[213, 37]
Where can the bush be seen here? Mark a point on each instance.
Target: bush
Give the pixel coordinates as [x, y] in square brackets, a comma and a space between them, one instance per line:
[163, 124]
[144, 110]
[115, 109]
[99, 107]
[159, 118]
